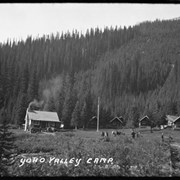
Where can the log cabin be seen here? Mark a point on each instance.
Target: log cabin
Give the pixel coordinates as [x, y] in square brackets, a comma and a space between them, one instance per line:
[92, 123]
[177, 122]
[116, 122]
[173, 121]
[144, 121]
[43, 119]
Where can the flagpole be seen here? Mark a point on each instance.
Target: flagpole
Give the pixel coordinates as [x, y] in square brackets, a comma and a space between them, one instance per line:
[98, 115]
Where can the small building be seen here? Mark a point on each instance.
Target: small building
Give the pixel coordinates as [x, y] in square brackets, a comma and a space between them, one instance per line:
[171, 119]
[92, 123]
[116, 122]
[43, 119]
[177, 122]
[144, 121]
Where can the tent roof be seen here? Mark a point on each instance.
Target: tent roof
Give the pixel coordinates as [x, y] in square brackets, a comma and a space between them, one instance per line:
[177, 120]
[93, 118]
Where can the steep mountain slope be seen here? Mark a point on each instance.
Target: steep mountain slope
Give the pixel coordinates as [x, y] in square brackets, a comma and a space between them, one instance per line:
[138, 67]
[131, 69]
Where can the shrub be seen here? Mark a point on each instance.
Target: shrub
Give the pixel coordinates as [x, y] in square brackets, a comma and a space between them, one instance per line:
[69, 134]
[13, 126]
[137, 157]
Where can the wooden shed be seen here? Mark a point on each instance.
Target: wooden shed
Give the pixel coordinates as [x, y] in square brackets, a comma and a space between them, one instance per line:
[144, 121]
[177, 122]
[43, 119]
[92, 123]
[116, 122]
[171, 120]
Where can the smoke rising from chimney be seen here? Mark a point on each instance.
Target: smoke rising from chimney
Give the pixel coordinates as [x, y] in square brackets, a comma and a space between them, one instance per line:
[35, 103]
[50, 89]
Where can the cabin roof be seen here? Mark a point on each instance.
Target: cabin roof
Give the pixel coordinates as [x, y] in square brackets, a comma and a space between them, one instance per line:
[93, 118]
[143, 118]
[172, 118]
[42, 116]
[177, 120]
[118, 118]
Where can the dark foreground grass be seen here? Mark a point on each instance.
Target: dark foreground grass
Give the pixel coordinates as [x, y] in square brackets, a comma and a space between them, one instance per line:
[84, 150]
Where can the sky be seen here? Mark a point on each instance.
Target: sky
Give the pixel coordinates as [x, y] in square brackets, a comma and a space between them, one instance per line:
[17, 21]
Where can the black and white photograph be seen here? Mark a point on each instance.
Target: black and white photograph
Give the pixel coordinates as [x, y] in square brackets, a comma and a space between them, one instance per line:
[89, 90]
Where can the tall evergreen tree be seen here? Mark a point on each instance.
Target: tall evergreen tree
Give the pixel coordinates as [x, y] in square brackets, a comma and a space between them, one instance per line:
[24, 80]
[84, 115]
[61, 97]
[7, 147]
[76, 116]
[21, 107]
[67, 109]
[69, 102]
[33, 87]
[1, 92]
[51, 104]
[135, 116]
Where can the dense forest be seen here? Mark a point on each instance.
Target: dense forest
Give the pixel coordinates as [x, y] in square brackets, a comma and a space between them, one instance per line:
[134, 70]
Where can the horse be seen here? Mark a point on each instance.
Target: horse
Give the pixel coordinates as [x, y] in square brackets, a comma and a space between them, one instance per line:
[106, 134]
[114, 133]
[102, 133]
[118, 133]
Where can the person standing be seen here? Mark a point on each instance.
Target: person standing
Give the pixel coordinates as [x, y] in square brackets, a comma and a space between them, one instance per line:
[170, 138]
[133, 134]
[138, 134]
[162, 137]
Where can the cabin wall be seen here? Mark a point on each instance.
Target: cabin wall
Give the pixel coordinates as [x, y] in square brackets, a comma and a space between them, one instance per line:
[116, 124]
[92, 124]
[170, 123]
[145, 122]
[29, 125]
[57, 124]
[44, 124]
[177, 124]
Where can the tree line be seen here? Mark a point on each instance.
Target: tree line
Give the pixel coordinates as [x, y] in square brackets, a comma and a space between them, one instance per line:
[134, 70]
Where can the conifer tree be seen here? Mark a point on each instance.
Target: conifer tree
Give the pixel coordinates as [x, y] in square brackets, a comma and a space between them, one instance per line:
[16, 88]
[1, 92]
[152, 119]
[67, 110]
[89, 104]
[51, 104]
[75, 116]
[24, 80]
[69, 102]
[135, 115]
[7, 147]
[33, 87]
[61, 97]
[21, 107]
[84, 115]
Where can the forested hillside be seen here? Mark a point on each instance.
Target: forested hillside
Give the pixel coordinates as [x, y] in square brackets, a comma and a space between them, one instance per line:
[134, 70]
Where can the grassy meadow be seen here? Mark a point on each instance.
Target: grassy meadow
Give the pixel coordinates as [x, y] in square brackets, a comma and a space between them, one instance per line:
[87, 153]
